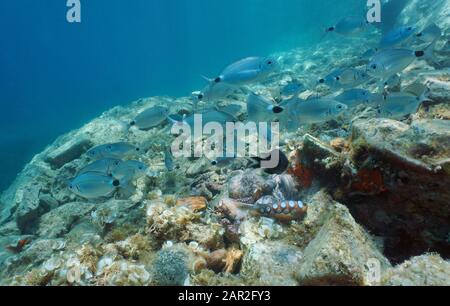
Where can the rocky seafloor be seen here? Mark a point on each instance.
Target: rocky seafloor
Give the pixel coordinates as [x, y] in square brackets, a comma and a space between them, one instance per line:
[377, 190]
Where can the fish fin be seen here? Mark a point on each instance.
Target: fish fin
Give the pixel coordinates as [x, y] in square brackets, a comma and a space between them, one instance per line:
[209, 80]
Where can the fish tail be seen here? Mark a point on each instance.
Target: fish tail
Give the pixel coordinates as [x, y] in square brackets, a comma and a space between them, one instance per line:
[428, 53]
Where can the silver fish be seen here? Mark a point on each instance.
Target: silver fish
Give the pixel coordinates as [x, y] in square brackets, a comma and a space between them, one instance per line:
[93, 185]
[261, 109]
[349, 25]
[131, 169]
[151, 118]
[370, 53]
[215, 91]
[292, 89]
[355, 97]
[391, 61]
[393, 81]
[114, 150]
[246, 71]
[345, 78]
[397, 36]
[313, 111]
[430, 34]
[105, 166]
[400, 105]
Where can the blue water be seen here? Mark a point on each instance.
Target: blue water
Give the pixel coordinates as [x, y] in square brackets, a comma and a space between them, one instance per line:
[56, 76]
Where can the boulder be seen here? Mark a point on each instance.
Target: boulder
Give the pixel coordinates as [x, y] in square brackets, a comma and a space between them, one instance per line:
[339, 252]
[69, 151]
[271, 263]
[425, 270]
[30, 207]
[401, 189]
[59, 221]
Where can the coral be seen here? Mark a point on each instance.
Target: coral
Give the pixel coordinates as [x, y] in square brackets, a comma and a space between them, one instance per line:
[209, 235]
[169, 268]
[169, 223]
[195, 204]
[232, 260]
[136, 247]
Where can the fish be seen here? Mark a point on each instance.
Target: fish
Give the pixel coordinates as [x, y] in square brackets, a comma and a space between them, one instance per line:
[397, 36]
[261, 109]
[233, 109]
[215, 91]
[151, 118]
[117, 150]
[399, 105]
[388, 62]
[247, 71]
[300, 112]
[393, 81]
[345, 78]
[168, 160]
[131, 169]
[92, 185]
[292, 89]
[350, 25]
[369, 53]
[355, 97]
[430, 34]
[105, 166]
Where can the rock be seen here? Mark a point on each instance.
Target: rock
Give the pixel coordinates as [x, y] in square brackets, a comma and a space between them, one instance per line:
[425, 270]
[209, 236]
[401, 190]
[30, 207]
[34, 254]
[9, 228]
[69, 151]
[339, 252]
[200, 166]
[322, 159]
[248, 187]
[59, 221]
[271, 263]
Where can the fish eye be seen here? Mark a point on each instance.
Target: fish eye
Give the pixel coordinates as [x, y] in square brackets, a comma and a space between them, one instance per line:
[339, 106]
[374, 66]
[214, 162]
[269, 63]
[338, 78]
[409, 28]
[138, 149]
[330, 29]
[200, 97]
[321, 81]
